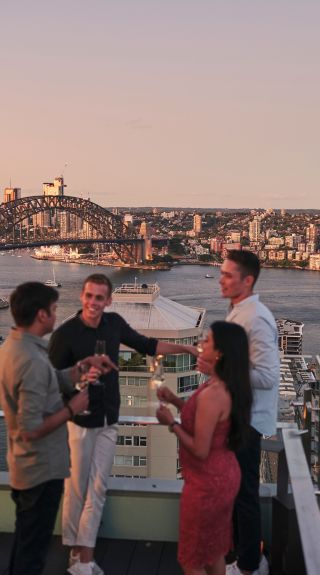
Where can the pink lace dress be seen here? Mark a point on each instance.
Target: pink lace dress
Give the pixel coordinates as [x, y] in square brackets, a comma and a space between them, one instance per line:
[210, 488]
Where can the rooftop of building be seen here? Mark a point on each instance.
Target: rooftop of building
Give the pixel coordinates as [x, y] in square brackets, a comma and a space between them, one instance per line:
[145, 309]
[290, 325]
[147, 545]
[116, 556]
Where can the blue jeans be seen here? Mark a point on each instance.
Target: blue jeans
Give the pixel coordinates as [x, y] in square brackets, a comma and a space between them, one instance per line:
[246, 518]
[36, 511]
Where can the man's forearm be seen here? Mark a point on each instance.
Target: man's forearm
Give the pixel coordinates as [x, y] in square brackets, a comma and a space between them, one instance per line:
[164, 347]
[48, 425]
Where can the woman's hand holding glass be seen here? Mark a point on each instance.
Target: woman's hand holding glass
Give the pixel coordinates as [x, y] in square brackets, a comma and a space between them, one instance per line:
[165, 395]
[164, 415]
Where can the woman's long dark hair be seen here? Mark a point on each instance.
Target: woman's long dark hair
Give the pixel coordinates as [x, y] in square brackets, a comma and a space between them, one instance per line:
[230, 339]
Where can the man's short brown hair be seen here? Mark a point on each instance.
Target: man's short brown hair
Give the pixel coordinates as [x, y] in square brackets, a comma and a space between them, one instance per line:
[101, 279]
[247, 261]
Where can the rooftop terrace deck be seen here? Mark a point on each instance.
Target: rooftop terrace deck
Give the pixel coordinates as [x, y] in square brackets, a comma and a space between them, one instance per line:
[140, 515]
[116, 557]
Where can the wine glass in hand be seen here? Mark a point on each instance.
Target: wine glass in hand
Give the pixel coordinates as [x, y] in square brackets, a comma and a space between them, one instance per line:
[99, 349]
[156, 368]
[202, 337]
[157, 371]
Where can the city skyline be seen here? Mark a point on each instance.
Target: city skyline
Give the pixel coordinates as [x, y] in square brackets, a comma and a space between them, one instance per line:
[198, 104]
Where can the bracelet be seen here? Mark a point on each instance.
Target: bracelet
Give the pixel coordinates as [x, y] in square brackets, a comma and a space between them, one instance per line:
[172, 424]
[71, 412]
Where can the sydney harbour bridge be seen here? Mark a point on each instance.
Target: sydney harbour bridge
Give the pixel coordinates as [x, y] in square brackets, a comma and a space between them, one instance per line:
[105, 227]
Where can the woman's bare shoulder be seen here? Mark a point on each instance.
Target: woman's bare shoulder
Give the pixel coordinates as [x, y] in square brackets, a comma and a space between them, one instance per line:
[216, 394]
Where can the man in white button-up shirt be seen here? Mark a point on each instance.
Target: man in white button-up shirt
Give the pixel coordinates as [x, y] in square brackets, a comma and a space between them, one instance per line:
[239, 272]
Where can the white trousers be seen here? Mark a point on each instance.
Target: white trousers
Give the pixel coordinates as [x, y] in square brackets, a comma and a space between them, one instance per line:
[92, 453]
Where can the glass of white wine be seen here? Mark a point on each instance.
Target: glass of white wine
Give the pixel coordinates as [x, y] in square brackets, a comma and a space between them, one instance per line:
[157, 378]
[99, 349]
[157, 370]
[202, 337]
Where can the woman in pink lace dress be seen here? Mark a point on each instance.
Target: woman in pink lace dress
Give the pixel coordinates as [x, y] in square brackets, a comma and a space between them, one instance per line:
[214, 422]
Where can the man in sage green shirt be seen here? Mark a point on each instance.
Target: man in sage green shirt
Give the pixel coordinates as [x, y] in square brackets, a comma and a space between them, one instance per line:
[30, 394]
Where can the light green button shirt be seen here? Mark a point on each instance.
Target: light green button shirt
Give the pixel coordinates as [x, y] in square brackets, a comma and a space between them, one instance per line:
[30, 390]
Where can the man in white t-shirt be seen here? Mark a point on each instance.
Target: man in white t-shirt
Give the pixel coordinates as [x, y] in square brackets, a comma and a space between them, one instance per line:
[239, 273]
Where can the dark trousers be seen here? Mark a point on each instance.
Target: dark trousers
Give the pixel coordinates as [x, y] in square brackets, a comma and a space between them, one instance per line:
[246, 517]
[36, 511]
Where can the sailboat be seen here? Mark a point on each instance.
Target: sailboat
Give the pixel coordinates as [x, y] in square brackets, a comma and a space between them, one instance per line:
[53, 282]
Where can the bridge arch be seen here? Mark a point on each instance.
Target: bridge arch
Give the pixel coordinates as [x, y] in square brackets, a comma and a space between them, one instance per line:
[107, 225]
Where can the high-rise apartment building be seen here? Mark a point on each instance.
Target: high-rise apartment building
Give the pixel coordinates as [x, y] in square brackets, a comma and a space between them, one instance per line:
[55, 188]
[314, 262]
[149, 450]
[11, 194]
[235, 236]
[197, 224]
[311, 232]
[144, 229]
[255, 229]
[128, 219]
[290, 336]
[216, 245]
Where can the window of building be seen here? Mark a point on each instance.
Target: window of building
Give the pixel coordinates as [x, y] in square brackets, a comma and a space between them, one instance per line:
[131, 359]
[130, 460]
[137, 381]
[139, 441]
[134, 400]
[188, 383]
[190, 340]
[181, 362]
[135, 440]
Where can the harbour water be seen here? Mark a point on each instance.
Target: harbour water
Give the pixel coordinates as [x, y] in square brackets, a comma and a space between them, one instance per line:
[292, 294]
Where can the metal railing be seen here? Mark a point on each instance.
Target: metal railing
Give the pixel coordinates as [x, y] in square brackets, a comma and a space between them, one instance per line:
[295, 501]
[295, 494]
[166, 369]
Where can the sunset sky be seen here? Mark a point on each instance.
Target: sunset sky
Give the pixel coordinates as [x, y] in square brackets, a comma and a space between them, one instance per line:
[200, 103]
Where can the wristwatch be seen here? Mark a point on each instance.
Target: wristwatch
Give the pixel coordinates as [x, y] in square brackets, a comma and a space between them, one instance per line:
[172, 424]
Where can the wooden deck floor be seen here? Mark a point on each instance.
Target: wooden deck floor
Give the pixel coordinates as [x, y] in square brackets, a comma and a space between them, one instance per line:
[115, 557]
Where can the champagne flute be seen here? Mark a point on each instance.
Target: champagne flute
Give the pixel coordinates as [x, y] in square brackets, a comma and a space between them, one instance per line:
[157, 371]
[202, 337]
[99, 349]
[156, 368]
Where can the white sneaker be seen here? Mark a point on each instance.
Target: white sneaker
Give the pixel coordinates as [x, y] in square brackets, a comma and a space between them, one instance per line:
[81, 568]
[233, 568]
[78, 568]
[263, 566]
[96, 570]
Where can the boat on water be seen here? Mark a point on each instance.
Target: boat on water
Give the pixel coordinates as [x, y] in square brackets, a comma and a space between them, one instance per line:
[208, 276]
[4, 304]
[53, 282]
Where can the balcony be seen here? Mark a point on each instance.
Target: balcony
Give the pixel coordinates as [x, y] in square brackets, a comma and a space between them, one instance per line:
[147, 544]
